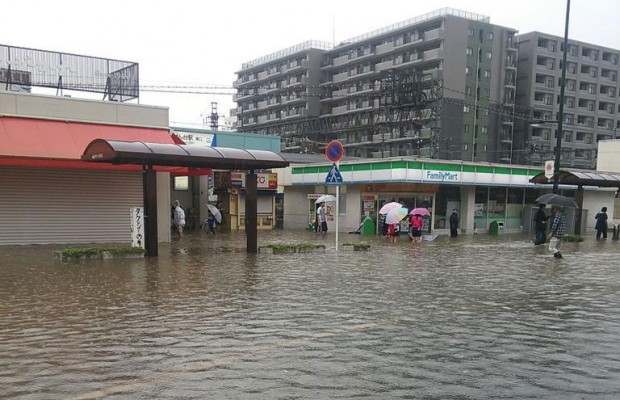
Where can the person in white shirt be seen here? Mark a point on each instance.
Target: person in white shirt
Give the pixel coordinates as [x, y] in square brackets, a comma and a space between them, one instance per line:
[321, 215]
[179, 217]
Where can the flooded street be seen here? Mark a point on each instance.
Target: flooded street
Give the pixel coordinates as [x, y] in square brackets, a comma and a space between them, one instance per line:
[467, 318]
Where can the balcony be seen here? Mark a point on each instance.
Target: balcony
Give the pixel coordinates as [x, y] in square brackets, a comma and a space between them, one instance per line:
[340, 77]
[384, 48]
[340, 110]
[384, 65]
[378, 138]
[338, 61]
[299, 65]
[431, 54]
[432, 35]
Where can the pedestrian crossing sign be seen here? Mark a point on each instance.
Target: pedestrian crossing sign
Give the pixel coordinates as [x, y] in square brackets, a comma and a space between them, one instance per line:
[333, 176]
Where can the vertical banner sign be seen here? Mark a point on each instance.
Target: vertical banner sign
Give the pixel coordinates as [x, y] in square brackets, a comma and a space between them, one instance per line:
[549, 169]
[137, 227]
[334, 152]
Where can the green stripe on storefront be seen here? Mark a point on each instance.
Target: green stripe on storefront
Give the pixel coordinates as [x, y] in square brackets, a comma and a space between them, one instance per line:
[469, 168]
[442, 167]
[416, 165]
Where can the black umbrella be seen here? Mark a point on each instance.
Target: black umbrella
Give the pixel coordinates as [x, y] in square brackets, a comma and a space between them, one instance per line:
[557, 200]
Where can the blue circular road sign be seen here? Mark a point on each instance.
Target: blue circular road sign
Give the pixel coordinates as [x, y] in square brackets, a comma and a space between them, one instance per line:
[334, 151]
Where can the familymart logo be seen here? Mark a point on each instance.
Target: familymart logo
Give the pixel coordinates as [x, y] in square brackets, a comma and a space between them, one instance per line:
[442, 176]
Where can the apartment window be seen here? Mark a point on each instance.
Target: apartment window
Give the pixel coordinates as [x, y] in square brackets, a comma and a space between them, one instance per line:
[483, 130]
[487, 93]
[568, 137]
[467, 71]
[470, 51]
[466, 128]
[465, 146]
[487, 73]
[490, 36]
[466, 109]
[467, 90]
[470, 32]
[489, 55]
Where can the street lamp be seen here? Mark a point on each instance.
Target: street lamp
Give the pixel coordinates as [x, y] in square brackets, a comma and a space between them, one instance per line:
[558, 146]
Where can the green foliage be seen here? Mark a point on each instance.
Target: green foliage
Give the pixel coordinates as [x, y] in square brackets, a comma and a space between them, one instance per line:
[90, 252]
[573, 238]
[120, 251]
[358, 245]
[294, 247]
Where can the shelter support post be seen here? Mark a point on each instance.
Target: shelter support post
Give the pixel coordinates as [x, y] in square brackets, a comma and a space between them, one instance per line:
[251, 200]
[149, 197]
[578, 211]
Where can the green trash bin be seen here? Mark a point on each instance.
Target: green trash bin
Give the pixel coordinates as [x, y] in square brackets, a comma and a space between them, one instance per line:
[312, 226]
[494, 228]
[368, 227]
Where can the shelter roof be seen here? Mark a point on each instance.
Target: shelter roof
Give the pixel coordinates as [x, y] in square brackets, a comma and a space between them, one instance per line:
[569, 176]
[145, 153]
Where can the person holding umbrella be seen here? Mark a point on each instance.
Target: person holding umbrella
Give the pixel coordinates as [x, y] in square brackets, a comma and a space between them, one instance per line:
[416, 223]
[321, 215]
[541, 224]
[558, 230]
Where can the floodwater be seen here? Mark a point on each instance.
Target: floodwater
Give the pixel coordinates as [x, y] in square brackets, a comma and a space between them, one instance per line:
[475, 317]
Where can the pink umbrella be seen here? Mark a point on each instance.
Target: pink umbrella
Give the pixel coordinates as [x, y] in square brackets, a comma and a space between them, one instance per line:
[420, 211]
[389, 207]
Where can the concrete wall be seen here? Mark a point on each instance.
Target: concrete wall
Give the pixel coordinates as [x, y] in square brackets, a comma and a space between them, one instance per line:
[81, 110]
[296, 207]
[608, 152]
[351, 221]
[593, 201]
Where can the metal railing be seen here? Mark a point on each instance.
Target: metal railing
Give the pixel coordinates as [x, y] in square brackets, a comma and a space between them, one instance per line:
[309, 44]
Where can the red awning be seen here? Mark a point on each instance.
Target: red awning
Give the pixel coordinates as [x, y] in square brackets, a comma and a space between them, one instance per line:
[26, 142]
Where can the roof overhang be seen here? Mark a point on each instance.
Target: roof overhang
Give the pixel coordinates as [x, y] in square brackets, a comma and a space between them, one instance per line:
[582, 178]
[194, 156]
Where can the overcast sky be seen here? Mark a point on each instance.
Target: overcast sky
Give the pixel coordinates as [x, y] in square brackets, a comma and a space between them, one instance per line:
[205, 42]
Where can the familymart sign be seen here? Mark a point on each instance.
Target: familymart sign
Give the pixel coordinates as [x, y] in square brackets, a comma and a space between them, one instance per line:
[441, 176]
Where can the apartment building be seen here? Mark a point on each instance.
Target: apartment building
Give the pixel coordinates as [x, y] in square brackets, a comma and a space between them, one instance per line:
[279, 88]
[591, 105]
[440, 85]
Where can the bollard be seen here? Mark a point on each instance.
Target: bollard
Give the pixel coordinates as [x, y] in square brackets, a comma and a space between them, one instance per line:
[615, 232]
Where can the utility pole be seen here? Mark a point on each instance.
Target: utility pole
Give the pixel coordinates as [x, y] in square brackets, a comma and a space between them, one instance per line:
[558, 146]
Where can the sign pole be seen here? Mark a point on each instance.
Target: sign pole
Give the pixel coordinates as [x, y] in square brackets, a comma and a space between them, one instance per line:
[334, 152]
[337, 207]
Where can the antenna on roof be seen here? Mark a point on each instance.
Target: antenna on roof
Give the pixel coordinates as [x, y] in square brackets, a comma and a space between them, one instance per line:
[334, 30]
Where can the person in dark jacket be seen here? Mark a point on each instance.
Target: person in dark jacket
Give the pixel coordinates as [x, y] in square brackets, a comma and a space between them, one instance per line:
[454, 223]
[540, 219]
[601, 223]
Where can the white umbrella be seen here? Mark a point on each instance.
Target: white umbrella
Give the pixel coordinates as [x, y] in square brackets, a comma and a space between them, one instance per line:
[396, 215]
[326, 198]
[389, 207]
[216, 213]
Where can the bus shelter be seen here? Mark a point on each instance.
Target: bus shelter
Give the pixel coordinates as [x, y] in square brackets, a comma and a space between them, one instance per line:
[150, 155]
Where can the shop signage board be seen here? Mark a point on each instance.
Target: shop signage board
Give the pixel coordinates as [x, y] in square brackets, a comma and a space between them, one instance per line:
[441, 176]
[137, 226]
[264, 180]
[549, 169]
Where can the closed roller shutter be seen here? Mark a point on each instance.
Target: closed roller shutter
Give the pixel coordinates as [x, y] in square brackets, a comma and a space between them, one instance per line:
[41, 206]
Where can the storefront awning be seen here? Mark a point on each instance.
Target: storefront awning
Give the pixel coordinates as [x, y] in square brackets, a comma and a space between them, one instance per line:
[145, 153]
[582, 178]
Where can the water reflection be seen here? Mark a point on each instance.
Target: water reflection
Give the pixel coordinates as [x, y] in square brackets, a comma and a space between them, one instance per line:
[471, 317]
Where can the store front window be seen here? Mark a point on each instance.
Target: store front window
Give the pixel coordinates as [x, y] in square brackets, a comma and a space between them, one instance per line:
[448, 198]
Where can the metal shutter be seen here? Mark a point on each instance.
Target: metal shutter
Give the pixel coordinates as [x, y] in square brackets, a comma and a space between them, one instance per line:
[41, 206]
